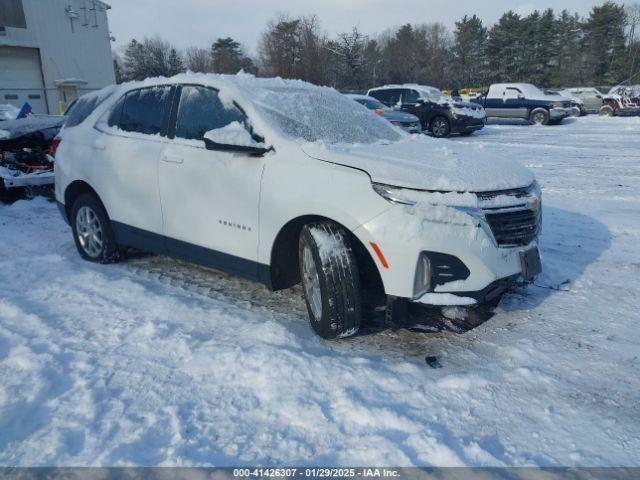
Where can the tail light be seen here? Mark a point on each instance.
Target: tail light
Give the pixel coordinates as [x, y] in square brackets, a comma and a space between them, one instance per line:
[54, 146]
[378, 111]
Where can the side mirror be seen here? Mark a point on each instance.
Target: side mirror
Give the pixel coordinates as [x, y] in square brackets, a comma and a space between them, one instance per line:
[226, 147]
[521, 96]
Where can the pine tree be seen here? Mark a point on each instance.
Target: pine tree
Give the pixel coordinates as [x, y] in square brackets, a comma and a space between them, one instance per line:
[504, 49]
[604, 43]
[469, 51]
[174, 63]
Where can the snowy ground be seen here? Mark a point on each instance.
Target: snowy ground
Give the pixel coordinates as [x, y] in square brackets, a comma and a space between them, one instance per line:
[156, 362]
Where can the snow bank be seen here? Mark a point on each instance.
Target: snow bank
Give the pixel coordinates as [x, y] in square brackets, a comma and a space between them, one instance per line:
[157, 362]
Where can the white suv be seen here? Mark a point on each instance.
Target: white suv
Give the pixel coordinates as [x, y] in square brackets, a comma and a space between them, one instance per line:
[281, 181]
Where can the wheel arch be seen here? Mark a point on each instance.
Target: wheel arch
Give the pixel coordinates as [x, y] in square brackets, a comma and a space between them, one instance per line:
[284, 266]
[74, 190]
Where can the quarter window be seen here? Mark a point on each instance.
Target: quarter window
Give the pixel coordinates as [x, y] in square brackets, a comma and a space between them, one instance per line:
[410, 96]
[201, 110]
[143, 110]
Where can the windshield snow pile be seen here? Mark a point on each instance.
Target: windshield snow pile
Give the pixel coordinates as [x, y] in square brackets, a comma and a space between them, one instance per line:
[320, 114]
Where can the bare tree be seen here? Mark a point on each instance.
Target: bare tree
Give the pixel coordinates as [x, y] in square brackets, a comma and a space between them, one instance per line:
[198, 59]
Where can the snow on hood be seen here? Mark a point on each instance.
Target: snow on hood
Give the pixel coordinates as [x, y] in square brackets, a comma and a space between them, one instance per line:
[47, 124]
[425, 163]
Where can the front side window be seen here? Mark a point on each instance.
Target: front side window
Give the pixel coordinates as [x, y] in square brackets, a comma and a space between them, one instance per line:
[143, 110]
[201, 111]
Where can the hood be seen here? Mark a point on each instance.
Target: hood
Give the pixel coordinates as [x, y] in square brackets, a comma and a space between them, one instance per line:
[424, 163]
[397, 116]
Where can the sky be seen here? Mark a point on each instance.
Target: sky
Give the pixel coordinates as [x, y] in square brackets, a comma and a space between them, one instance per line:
[200, 22]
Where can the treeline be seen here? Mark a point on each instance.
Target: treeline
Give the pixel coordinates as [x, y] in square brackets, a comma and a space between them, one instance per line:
[545, 48]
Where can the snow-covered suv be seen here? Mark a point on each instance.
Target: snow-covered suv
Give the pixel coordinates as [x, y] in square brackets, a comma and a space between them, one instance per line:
[284, 182]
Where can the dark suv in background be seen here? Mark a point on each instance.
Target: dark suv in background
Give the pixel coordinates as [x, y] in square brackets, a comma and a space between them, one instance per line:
[438, 113]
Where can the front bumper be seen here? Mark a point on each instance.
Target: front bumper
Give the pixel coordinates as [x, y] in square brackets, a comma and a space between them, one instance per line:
[403, 237]
[409, 127]
[464, 124]
[560, 113]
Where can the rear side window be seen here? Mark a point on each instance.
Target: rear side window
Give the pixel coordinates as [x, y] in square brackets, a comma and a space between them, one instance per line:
[200, 111]
[142, 111]
[389, 97]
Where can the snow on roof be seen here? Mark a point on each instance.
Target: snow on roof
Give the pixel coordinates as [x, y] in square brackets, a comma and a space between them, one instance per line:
[408, 85]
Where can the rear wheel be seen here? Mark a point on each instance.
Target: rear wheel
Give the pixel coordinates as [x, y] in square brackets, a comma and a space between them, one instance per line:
[440, 127]
[539, 116]
[92, 231]
[330, 280]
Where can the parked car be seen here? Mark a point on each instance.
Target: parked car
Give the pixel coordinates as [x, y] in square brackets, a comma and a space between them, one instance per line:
[283, 182]
[25, 163]
[578, 107]
[619, 106]
[631, 92]
[592, 97]
[406, 121]
[438, 113]
[524, 101]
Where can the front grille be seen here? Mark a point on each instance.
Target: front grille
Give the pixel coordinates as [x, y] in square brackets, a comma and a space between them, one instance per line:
[514, 227]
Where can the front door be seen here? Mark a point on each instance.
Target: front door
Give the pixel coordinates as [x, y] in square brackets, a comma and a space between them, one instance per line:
[210, 198]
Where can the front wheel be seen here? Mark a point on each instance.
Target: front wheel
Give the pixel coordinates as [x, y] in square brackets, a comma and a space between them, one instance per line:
[330, 280]
[440, 127]
[539, 116]
[92, 231]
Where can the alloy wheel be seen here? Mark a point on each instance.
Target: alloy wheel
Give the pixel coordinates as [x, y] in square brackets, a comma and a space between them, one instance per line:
[89, 232]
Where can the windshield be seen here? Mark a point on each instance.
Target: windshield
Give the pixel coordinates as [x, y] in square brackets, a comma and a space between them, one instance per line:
[321, 115]
[434, 95]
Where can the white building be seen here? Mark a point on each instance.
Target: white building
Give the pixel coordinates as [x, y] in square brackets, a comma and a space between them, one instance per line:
[52, 51]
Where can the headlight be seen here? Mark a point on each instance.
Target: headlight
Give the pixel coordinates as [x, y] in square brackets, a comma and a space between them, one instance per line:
[393, 194]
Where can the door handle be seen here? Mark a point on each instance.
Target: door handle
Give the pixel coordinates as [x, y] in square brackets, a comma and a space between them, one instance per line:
[98, 146]
[172, 159]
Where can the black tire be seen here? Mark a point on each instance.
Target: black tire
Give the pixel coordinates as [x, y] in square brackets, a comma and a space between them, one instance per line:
[440, 127]
[338, 278]
[108, 251]
[606, 111]
[539, 116]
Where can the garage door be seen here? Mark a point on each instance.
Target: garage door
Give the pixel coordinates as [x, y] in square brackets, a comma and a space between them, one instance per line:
[21, 78]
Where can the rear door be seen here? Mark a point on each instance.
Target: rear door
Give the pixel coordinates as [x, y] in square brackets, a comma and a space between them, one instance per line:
[133, 140]
[210, 198]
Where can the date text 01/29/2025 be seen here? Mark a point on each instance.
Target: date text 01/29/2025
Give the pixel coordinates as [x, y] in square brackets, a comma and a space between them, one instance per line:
[316, 472]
